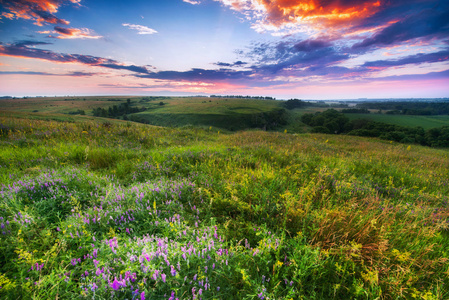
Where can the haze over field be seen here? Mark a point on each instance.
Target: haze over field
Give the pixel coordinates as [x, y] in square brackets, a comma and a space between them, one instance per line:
[312, 49]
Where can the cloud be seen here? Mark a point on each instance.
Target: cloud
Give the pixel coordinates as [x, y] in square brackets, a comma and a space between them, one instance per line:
[25, 73]
[354, 20]
[24, 43]
[235, 64]
[430, 23]
[293, 54]
[198, 75]
[73, 74]
[311, 45]
[75, 33]
[274, 15]
[192, 2]
[22, 49]
[40, 11]
[140, 28]
[411, 59]
[132, 68]
[428, 76]
[82, 74]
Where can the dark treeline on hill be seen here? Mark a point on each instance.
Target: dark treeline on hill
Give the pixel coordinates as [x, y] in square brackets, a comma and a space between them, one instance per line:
[243, 97]
[334, 122]
[296, 103]
[408, 107]
[117, 110]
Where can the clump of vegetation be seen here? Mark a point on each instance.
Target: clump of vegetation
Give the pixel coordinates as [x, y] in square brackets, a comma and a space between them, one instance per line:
[116, 111]
[295, 103]
[78, 112]
[123, 210]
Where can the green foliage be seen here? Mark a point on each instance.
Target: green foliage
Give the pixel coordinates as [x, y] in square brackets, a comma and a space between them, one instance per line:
[330, 119]
[295, 103]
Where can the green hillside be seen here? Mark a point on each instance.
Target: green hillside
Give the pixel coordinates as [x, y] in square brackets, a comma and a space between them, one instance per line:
[96, 208]
[230, 114]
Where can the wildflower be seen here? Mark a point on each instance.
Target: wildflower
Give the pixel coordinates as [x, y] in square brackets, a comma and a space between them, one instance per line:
[163, 276]
[94, 287]
[172, 296]
[115, 285]
[142, 296]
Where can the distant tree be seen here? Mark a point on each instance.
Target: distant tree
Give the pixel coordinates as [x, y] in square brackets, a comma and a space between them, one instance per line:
[294, 103]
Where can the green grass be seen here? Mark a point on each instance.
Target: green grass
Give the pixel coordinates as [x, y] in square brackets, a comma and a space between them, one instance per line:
[425, 122]
[92, 210]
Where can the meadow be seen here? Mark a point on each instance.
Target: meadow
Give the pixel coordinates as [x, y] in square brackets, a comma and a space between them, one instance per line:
[97, 209]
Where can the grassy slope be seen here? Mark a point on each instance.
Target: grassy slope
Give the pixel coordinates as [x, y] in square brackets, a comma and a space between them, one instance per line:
[231, 114]
[273, 215]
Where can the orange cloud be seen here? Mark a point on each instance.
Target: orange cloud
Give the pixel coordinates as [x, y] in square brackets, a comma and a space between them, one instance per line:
[40, 11]
[320, 14]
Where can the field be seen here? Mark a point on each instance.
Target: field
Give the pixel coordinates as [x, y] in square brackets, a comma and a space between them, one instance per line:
[96, 208]
[425, 122]
[57, 105]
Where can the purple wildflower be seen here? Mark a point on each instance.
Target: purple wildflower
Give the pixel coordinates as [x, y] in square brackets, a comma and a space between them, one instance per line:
[115, 285]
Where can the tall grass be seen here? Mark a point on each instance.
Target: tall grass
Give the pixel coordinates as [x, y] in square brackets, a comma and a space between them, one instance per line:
[122, 210]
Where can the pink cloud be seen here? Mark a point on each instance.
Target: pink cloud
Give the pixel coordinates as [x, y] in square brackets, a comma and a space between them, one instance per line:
[40, 11]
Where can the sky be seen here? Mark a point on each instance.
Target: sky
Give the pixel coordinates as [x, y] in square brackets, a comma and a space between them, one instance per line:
[311, 49]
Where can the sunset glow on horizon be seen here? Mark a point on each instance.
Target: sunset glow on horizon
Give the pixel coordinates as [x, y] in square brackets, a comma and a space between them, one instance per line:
[313, 49]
